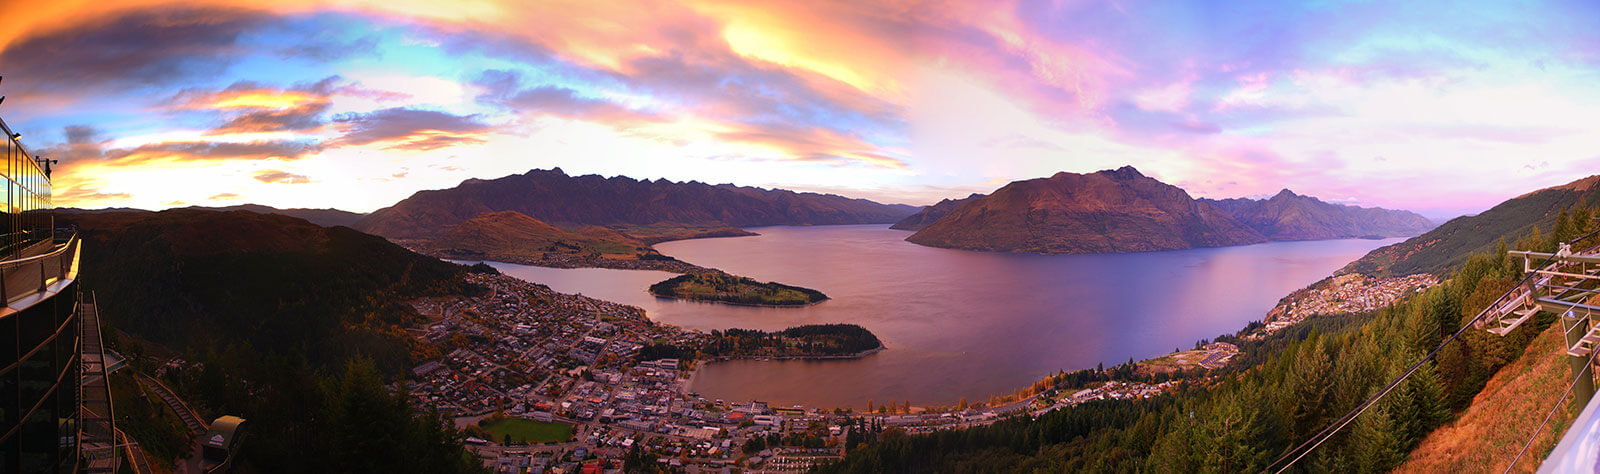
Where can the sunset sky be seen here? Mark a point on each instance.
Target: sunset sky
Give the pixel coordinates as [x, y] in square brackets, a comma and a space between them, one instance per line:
[1443, 108]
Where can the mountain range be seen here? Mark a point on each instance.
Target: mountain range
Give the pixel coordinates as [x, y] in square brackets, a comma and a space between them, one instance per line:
[1123, 210]
[322, 217]
[1290, 216]
[556, 198]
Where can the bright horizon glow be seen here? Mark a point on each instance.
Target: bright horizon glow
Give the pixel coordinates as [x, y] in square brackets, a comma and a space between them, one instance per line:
[1439, 108]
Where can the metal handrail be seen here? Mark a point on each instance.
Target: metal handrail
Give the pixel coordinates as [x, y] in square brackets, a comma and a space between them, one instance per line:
[65, 256]
[60, 249]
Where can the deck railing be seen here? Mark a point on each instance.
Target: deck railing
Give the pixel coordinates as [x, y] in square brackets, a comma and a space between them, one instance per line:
[31, 275]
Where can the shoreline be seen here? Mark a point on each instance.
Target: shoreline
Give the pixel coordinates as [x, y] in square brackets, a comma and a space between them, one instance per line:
[851, 356]
[1130, 252]
[669, 266]
[731, 303]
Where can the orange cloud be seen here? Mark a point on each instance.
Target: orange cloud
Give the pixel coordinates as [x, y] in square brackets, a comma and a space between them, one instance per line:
[250, 99]
[85, 196]
[254, 108]
[815, 144]
[277, 176]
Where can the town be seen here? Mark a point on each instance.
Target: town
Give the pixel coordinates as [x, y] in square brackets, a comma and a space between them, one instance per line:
[1343, 294]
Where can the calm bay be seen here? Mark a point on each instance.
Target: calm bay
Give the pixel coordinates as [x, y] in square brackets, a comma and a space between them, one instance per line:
[961, 323]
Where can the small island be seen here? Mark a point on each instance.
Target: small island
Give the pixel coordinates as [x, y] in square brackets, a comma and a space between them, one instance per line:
[812, 341]
[732, 289]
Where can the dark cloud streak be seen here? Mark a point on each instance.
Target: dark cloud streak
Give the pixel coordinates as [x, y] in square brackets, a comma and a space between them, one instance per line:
[144, 48]
[201, 151]
[410, 129]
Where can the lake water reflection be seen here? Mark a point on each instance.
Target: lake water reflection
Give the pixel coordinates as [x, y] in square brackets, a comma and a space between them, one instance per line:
[961, 323]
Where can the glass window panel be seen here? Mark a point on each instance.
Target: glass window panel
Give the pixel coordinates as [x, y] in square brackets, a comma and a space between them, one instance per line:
[37, 372]
[39, 440]
[9, 451]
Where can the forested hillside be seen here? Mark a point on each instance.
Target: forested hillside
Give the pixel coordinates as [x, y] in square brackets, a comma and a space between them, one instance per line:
[1292, 384]
[1444, 248]
[293, 326]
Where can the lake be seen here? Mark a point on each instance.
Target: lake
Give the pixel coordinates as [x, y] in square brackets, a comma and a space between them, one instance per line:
[961, 323]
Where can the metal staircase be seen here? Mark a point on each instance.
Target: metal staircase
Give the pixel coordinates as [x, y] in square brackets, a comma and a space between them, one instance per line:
[1510, 311]
[97, 432]
[1579, 277]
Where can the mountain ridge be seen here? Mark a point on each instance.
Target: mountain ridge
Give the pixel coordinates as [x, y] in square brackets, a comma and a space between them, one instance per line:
[1117, 210]
[556, 198]
[326, 217]
[1288, 216]
[930, 214]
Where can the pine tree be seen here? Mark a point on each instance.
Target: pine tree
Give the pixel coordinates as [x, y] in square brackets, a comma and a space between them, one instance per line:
[1563, 228]
[1308, 391]
[1426, 397]
[1535, 240]
[1231, 435]
[1175, 450]
[1374, 442]
[1508, 267]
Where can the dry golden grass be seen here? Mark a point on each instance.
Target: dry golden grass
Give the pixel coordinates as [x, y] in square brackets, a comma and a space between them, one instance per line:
[1171, 362]
[1502, 417]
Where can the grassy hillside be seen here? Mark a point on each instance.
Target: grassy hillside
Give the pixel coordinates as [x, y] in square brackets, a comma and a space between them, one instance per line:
[1448, 245]
[1502, 417]
[510, 234]
[655, 234]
